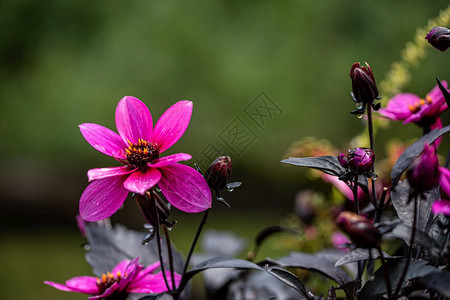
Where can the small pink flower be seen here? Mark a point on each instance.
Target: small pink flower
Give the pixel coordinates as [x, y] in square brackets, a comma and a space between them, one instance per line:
[125, 278]
[410, 108]
[138, 146]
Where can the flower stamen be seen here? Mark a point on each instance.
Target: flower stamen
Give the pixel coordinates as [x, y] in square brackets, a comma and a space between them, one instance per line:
[141, 153]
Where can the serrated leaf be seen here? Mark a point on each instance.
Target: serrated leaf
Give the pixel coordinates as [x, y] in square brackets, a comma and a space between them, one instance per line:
[413, 151]
[374, 289]
[316, 263]
[327, 164]
[438, 281]
[289, 279]
[359, 254]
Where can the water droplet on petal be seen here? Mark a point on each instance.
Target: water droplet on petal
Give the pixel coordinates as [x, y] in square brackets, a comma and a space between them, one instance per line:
[359, 116]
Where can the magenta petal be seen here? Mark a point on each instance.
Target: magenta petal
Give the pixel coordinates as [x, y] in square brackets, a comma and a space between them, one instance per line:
[80, 284]
[153, 283]
[100, 173]
[185, 188]
[172, 125]
[398, 107]
[133, 120]
[441, 207]
[103, 139]
[102, 198]
[444, 180]
[169, 160]
[140, 182]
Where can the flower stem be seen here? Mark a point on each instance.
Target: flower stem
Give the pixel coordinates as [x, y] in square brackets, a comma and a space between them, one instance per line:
[169, 250]
[355, 194]
[158, 242]
[386, 273]
[370, 125]
[194, 242]
[408, 257]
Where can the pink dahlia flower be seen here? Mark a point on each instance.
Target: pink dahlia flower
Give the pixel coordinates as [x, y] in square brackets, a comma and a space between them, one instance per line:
[125, 278]
[409, 108]
[138, 146]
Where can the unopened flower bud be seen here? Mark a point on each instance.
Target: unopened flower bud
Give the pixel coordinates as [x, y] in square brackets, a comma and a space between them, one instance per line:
[218, 173]
[358, 160]
[364, 88]
[439, 38]
[360, 230]
[424, 172]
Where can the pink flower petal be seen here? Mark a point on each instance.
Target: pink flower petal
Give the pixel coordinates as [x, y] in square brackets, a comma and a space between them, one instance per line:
[185, 188]
[169, 160]
[103, 139]
[398, 107]
[444, 180]
[102, 198]
[130, 273]
[441, 207]
[172, 125]
[121, 267]
[100, 173]
[153, 283]
[80, 284]
[139, 181]
[133, 120]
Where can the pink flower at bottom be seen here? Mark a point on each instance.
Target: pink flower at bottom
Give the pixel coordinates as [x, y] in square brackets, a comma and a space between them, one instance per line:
[138, 146]
[443, 205]
[125, 278]
[410, 108]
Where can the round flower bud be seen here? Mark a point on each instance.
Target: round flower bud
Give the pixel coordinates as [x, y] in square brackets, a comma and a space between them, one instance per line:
[358, 160]
[439, 38]
[218, 173]
[424, 172]
[360, 230]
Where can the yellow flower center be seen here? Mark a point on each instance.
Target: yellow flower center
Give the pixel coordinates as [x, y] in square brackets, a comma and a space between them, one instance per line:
[108, 280]
[141, 153]
[416, 107]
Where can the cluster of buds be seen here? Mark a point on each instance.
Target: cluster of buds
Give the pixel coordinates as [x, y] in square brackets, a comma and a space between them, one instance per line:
[439, 38]
[424, 173]
[361, 231]
[359, 160]
[364, 89]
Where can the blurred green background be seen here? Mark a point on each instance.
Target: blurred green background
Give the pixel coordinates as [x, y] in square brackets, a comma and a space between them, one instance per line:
[68, 62]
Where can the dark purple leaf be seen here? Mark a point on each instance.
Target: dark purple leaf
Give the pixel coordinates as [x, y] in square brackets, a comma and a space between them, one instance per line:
[316, 263]
[108, 246]
[375, 288]
[218, 262]
[413, 151]
[405, 208]
[327, 164]
[444, 92]
[404, 232]
[289, 279]
[222, 243]
[359, 254]
[438, 281]
[350, 288]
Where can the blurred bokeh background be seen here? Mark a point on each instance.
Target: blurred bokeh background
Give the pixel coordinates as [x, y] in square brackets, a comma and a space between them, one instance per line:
[63, 63]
